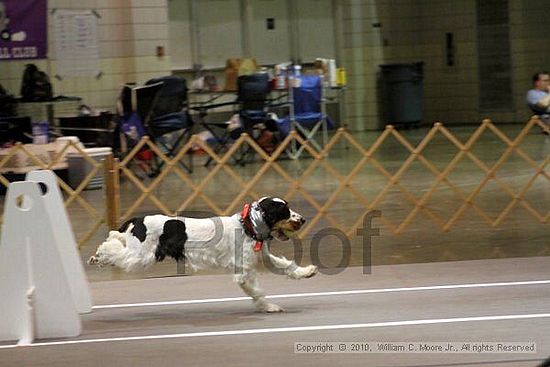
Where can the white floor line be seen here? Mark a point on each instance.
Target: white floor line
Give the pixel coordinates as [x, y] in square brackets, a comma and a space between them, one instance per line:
[327, 294]
[287, 329]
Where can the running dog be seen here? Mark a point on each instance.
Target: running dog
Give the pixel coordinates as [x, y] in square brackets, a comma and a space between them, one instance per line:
[233, 243]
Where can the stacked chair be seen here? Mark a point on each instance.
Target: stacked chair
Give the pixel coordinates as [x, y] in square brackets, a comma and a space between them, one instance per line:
[157, 109]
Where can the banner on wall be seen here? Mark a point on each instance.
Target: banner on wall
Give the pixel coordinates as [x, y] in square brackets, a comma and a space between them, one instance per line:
[23, 29]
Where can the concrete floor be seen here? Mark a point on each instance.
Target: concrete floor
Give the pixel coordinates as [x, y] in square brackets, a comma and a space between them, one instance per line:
[227, 331]
[205, 321]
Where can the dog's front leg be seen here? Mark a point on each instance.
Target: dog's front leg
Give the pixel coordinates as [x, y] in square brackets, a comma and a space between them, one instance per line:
[250, 285]
[290, 268]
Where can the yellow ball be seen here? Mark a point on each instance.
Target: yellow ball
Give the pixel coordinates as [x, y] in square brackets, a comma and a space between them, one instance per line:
[288, 232]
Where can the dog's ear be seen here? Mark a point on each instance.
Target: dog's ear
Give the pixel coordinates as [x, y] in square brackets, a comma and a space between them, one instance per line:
[274, 210]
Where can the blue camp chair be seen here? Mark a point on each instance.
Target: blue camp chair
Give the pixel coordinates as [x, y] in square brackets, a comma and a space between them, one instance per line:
[307, 114]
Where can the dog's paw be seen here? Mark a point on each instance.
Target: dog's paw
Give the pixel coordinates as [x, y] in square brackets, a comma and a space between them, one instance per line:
[313, 270]
[272, 308]
[304, 272]
[263, 306]
[95, 261]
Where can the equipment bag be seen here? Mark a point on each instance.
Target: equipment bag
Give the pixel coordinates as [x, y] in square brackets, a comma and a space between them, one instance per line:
[36, 86]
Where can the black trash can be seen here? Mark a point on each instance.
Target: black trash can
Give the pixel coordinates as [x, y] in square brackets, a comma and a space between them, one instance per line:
[402, 93]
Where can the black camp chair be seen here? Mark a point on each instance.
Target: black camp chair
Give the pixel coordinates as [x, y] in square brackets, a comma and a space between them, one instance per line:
[134, 108]
[253, 103]
[167, 124]
[170, 125]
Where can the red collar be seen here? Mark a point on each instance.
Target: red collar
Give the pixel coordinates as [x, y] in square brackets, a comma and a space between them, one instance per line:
[248, 229]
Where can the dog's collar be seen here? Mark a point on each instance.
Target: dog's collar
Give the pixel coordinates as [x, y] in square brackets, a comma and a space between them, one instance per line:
[254, 225]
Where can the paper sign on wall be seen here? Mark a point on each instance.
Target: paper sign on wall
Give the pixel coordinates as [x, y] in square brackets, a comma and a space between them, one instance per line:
[76, 43]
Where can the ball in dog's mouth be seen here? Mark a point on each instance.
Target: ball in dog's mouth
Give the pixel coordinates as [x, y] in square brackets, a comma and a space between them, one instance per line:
[284, 234]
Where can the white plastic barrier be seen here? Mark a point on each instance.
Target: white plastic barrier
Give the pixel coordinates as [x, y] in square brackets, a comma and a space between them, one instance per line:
[65, 239]
[42, 282]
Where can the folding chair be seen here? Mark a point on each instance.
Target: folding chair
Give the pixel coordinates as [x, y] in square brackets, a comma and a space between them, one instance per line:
[307, 113]
[135, 101]
[253, 102]
[217, 130]
[134, 108]
[543, 115]
[170, 125]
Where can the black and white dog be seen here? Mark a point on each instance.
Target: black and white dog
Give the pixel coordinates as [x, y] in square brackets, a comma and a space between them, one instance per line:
[234, 243]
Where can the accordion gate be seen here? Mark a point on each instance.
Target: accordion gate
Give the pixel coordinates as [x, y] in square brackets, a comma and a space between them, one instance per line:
[295, 185]
[71, 196]
[113, 214]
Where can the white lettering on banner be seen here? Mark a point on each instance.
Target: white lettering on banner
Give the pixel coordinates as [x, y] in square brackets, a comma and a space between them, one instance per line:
[5, 53]
[24, 52]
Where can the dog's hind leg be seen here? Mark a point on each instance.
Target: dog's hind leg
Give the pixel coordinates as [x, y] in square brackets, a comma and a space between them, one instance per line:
[250, 285]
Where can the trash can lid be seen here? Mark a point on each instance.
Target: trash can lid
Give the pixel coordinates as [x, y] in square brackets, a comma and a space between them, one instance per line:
[405, 64]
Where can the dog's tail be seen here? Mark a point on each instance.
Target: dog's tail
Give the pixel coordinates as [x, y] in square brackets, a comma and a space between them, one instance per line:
[127, 226]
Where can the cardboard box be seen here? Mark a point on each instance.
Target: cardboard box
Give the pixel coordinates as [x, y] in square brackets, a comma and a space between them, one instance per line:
[236, 67]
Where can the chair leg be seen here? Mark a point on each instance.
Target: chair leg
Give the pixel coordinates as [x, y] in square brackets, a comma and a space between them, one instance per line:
[222, 145]
[171, 151]
[309, 137]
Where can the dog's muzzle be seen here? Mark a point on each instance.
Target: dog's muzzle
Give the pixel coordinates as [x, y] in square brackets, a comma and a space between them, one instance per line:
[296, 224]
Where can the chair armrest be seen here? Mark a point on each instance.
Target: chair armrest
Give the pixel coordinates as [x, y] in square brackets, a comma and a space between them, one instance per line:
[85, 129]
[280, 104]
[211, 106]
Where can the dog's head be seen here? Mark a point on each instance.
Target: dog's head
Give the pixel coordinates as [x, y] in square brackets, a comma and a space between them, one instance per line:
[281, 220]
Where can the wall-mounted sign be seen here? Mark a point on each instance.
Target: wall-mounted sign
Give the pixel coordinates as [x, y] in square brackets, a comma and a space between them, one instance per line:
[76, 43]
[23, 29]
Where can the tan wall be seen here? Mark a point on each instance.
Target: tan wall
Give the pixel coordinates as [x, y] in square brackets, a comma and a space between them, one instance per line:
[411, 30]
[530, 44]
[414, 30]
[128, 31]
